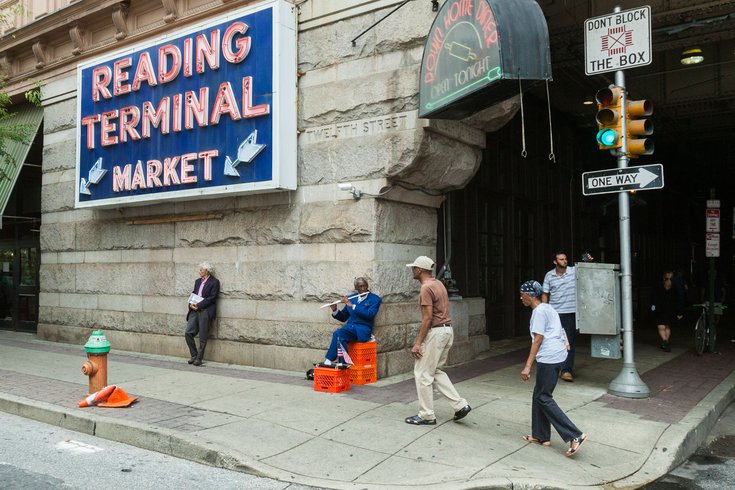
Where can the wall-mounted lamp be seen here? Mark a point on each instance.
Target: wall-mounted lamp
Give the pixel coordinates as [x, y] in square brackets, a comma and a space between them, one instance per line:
[692, 56]
[348, 187]
[434, 5]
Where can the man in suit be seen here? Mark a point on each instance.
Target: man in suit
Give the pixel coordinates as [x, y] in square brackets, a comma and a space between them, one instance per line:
[201, 312]
[358, 315]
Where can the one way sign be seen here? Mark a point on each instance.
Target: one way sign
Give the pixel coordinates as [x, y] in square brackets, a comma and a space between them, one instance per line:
[642, 178]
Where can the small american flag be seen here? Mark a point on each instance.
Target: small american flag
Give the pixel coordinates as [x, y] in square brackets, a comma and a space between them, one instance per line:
[342, 352]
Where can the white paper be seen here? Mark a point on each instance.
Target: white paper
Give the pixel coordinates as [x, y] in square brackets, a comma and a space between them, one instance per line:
[194, 299]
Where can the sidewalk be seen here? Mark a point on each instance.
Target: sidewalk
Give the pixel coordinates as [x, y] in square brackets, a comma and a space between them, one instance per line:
[272, 423]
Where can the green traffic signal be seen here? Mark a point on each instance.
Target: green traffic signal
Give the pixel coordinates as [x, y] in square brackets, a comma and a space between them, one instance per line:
[607, 137]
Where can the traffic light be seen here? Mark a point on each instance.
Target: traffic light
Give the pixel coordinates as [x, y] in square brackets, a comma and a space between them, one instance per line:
[609, 118]
[637, 126]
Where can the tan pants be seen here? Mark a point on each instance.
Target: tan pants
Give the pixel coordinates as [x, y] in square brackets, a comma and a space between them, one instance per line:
[426, 372]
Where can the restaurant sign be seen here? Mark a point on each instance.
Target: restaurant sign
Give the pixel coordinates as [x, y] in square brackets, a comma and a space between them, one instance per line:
[201, 112]
[473, 51]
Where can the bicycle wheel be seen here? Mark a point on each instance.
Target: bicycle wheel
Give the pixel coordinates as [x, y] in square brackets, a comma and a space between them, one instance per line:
[700, 334]
[712, 339]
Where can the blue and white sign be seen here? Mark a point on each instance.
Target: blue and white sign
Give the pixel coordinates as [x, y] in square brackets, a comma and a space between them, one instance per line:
[198, 113]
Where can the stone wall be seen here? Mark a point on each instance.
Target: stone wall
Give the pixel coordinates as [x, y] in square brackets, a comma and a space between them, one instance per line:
[278, 255]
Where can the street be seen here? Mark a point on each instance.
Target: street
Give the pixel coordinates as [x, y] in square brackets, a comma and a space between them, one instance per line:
[712, 466]
[36, 456]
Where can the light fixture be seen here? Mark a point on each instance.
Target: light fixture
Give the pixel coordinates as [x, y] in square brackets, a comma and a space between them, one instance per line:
[691, 56]
[588, 101]
[434, 5]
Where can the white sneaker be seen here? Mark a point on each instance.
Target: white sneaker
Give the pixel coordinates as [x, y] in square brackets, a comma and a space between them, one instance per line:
[327, 362]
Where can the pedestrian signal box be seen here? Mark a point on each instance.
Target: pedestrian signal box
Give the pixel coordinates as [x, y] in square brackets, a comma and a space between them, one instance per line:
[609, 118]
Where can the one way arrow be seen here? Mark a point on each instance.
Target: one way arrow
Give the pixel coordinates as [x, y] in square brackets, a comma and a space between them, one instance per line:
[93, 177]
[646, 177]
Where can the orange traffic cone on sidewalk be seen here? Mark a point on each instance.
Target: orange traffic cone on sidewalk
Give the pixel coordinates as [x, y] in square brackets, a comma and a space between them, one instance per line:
[97, 397]
[118, 398]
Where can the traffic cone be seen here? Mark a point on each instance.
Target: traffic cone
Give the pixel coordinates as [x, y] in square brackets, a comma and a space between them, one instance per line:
[118, 398]
[97, 397]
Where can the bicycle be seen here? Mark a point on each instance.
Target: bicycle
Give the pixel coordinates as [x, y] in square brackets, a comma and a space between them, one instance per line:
[702, 333]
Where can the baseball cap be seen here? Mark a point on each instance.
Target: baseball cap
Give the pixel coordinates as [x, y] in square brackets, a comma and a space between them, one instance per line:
[422, 262]
[531, 288]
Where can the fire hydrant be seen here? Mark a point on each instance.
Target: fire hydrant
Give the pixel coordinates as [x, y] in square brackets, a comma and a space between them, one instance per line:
[97, 348]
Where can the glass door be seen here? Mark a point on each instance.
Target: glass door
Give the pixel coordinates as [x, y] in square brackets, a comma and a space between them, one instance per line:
[19, 287]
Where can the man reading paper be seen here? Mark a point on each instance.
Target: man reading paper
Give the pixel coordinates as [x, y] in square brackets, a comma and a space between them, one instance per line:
[202, 311]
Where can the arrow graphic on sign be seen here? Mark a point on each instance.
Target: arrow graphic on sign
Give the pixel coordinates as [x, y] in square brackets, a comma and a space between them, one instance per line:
[96, 172]
[246, 152]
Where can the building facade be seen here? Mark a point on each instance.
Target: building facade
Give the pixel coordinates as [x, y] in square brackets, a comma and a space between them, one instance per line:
[128, 264]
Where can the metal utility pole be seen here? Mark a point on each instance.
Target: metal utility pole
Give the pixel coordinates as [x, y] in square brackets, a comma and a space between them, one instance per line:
[628, 383]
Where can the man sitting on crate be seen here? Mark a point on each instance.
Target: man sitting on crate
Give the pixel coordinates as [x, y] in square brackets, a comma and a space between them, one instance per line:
[358, 315]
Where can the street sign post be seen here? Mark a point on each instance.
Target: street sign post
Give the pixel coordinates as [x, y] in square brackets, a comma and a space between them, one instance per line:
[618, 41]
[643, 178]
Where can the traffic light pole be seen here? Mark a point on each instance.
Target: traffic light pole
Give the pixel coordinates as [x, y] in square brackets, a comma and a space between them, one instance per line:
[628, 383]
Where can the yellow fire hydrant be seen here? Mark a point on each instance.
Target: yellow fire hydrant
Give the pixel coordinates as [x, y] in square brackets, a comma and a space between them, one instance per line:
[97, 348]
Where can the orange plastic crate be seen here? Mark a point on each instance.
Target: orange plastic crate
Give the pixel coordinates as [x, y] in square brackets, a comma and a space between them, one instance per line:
[363, 353]
[331, 380]
[362, 375]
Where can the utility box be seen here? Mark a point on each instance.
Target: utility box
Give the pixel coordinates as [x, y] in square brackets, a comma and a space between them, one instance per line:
[599, 307]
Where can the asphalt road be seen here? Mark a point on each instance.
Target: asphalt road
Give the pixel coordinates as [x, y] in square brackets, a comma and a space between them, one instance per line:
[36, 456]
[711, 467]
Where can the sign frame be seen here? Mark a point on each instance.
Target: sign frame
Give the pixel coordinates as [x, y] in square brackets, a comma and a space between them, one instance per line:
[610, 33]
[282, 153]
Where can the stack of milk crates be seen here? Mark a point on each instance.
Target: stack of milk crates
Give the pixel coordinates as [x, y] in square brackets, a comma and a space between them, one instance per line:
[364, 369]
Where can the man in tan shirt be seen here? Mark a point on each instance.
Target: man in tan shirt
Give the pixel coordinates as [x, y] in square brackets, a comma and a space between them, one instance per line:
[432, 346]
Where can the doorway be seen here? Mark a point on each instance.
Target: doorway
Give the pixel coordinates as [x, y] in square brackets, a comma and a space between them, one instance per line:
[19, 289]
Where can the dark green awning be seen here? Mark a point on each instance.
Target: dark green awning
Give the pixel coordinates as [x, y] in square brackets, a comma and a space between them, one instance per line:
[27, 115]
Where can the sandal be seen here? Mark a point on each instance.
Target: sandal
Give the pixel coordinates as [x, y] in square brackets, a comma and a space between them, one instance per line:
[574, 445]
[416, 420]
[532, 440]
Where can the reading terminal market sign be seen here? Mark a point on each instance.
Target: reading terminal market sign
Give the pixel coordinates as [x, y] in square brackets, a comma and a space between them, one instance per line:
[476, 53]
[199, 113]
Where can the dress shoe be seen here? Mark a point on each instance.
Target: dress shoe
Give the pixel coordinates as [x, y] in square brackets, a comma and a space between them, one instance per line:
[192, 359]
[462, 412]
[197, 362]
[567, 376]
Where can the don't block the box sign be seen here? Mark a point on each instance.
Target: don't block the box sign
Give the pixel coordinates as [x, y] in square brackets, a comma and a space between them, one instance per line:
[201, 112]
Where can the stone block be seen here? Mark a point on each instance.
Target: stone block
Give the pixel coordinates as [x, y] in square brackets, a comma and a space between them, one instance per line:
[391, 337]
[154, 323]
[48, 299]
[238, 228]
[480, 343]
[460, 321]
[119, 302]
[337, 222]
[477, 325]
[395, 362]
[100, 234]
[60, 116]
[460, 352]
[57, 197]
[326, 281]
[406, 224]
[57, 278]
[57, 237]
[79, 301]
[60, 156]
[70, 257]
[134, 279]
[170, 305]
[230, 352]
[103, 257]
